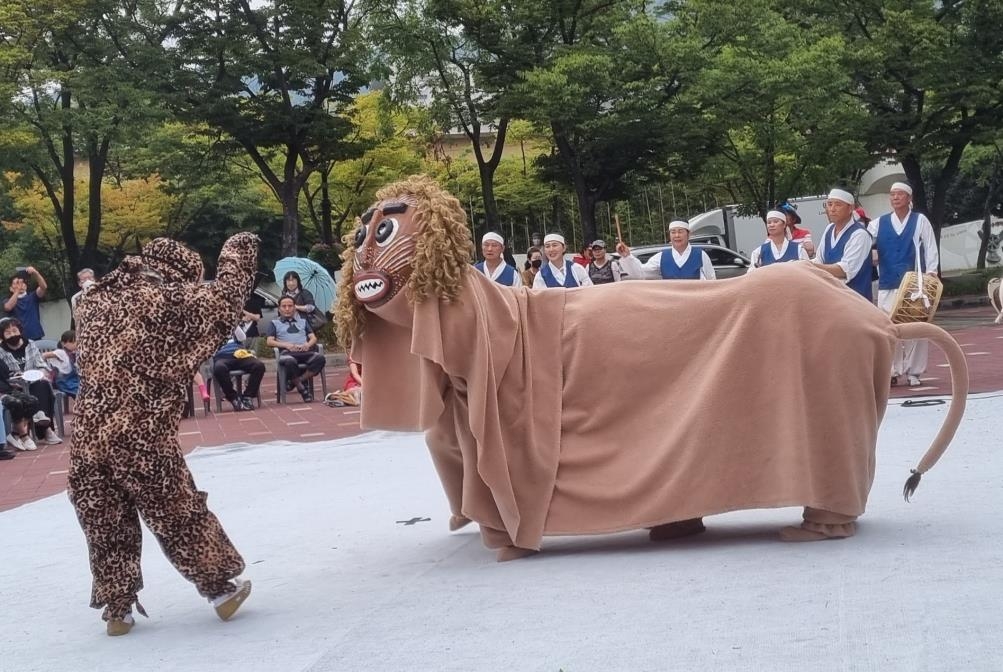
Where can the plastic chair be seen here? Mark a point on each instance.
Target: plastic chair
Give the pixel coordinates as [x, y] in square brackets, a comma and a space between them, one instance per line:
[237, 375]
[280, 377]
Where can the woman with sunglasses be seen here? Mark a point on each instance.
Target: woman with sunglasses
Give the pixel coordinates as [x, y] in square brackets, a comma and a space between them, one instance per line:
[603, 270]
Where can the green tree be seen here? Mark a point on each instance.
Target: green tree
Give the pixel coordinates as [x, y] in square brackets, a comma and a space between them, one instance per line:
[434, 58]
[927, 73]
[614, 97]
[273, 76]
[775, 90]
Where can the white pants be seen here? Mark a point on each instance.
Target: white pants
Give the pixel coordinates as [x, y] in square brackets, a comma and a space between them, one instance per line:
[910, 356]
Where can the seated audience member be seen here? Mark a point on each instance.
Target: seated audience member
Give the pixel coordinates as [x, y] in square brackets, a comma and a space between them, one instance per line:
[6, 450]
[294, 338]
[64, 361]
[232, 357]
[351, 393]
[18, 356]
[22, 407]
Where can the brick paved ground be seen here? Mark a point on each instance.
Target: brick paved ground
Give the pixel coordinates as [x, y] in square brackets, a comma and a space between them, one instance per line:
[31, 476]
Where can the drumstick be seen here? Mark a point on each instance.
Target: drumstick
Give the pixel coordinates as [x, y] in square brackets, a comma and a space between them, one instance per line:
[619, 233]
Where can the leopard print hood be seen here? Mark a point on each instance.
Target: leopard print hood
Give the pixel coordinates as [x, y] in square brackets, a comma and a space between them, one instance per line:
[173, 261]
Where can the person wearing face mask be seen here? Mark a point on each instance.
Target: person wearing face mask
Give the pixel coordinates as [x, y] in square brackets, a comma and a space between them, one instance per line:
[23, 304]
[17, 356]
[534, 260]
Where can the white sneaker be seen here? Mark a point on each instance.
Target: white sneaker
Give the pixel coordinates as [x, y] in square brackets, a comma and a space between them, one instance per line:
[28, 443]
[40, 418]
[226, 605]
[914, 381]
[14, 442]
[51, 438]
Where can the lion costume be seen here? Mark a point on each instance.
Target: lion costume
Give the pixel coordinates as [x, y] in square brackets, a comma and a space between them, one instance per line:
[623, 406]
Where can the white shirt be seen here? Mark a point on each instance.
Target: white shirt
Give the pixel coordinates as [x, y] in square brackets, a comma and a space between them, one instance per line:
[777, 253]
[577, 270]
[923, 236]
[855, 254]
[499, 269]
[652, 268]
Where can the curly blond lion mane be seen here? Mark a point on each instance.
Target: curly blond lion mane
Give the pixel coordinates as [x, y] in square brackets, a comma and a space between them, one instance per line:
[443, 254]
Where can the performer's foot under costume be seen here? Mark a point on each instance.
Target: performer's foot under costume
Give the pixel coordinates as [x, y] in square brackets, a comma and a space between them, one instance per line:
[701, 407]
[142, 332]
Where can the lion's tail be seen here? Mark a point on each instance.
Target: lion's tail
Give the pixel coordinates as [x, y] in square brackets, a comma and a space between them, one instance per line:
[959, 395]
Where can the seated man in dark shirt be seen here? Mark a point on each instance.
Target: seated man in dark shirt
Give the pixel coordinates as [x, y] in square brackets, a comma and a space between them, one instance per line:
[232, 357]
[294, 338]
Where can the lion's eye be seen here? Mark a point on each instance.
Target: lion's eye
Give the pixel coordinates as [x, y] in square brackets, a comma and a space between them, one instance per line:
[360, 235]
[386, 230]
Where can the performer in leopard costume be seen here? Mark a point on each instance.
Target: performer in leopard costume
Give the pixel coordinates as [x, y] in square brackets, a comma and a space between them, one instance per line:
[142, 332]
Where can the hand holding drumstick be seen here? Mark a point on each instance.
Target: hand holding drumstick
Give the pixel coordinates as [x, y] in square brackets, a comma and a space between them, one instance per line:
[621, 247]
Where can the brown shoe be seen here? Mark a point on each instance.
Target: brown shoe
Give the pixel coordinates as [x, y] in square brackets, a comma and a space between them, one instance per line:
[677, 530]
[117, 627]
[227, 605]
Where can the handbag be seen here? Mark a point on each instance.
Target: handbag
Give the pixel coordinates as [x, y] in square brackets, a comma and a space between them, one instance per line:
[316, 319]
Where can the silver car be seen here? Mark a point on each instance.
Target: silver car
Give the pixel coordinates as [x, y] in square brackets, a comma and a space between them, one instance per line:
[727, 263]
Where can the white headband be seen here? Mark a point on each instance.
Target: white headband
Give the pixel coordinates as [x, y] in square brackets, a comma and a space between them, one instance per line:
[841, 195]
[776, 214]
[679, 224]
[491, 235]
[901, 186]
[554, 238]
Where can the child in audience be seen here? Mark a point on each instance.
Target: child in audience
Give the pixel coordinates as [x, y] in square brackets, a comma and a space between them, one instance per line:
[64, 361]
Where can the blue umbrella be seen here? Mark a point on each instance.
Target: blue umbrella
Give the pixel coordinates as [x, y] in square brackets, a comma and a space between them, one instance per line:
[314, 277]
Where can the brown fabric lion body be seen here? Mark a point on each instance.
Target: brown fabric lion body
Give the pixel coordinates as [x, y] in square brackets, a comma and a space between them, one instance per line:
[637, 405]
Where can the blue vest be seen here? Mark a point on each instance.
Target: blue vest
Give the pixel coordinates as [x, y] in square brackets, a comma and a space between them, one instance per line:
[861, 282]
[506, 278]
[896, 252]
[690, 270]
[569, 277]
[790, 254]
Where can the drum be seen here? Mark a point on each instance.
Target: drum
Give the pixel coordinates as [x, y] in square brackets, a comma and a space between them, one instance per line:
[914, 303]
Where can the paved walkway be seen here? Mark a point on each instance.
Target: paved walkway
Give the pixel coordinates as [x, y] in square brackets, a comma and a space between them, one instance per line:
[41, 473]
[31, 476]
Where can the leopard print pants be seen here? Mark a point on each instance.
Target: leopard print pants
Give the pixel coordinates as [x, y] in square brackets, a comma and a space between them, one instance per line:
[111, 496]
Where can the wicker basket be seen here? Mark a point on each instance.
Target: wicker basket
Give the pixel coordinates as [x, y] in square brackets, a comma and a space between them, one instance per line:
[908, 309]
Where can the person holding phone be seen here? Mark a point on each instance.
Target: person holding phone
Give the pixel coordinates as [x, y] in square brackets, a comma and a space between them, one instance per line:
[23, 304]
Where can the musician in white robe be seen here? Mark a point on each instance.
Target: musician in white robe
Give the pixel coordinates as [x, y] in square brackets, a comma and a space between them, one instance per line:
[679, 261]
[494, 266]
[558, 271]
[778, 247]
[904, 241]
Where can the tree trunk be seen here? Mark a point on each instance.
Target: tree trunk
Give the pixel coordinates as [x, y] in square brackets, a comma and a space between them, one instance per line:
[487, 175]
[96, 168]
[290, 219]
[586, 199]
[325, 208]
[66, 175]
